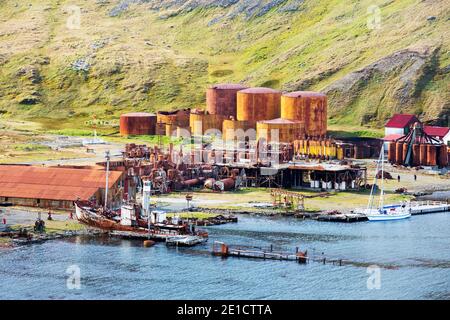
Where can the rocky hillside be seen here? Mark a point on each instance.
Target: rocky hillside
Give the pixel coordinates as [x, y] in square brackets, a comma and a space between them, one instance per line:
[63, 62]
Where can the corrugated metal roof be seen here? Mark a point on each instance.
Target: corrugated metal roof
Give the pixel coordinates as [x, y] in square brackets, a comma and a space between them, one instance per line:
[35, 191]
[393, 137]
[52, 183]
[440, 132]
[57, 176]
[401, 120]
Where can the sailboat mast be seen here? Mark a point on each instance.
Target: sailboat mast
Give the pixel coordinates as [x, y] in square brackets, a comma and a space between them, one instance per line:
[381, 203]
[372, 191]
[107, 178]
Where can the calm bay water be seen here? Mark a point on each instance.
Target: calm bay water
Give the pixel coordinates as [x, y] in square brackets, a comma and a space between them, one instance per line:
[117, 269]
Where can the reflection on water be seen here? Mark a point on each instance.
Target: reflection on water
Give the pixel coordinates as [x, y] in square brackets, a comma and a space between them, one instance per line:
[413, 254]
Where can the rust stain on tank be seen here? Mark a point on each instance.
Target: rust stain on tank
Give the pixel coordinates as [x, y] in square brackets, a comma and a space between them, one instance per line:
[416, 154]
[399, 153]
[309, 107]
[138, 123]
[279, 130]
[222, 99]
[200, 123]
[431, 155]
[257, 104]
[232, 128]
[179, 118]
[391, 152]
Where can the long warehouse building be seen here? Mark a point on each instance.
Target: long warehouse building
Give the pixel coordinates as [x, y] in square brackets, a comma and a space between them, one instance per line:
[58, 188]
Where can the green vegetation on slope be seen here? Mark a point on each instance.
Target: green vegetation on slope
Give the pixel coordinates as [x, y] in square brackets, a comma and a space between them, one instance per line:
[144, 60]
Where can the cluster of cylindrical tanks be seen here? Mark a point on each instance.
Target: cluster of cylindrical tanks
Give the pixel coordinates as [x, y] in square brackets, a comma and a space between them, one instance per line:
[234, 106]
[423, 154]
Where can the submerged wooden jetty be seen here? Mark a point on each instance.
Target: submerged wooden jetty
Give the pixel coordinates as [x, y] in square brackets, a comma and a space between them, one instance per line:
[223, 250]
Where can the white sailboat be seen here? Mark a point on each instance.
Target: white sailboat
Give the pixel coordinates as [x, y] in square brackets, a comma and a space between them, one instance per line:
[384, 212]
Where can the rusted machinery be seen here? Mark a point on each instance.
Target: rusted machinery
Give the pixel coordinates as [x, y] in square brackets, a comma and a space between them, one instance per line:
[308, 107]
[257, 104]
[138, 123]
[418, 149]
[221, 99]
[279, 130]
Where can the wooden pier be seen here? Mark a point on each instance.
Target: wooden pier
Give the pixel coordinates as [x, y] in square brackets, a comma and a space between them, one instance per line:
[221, 249]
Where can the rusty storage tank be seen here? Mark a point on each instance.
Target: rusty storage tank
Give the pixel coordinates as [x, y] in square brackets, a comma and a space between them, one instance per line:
[137, 123]
[288, 130]
[231, 128]
[200, 122]
[222, 99]
[431, 155]
[423, 154]
[405, 150]
[391, 152]
[258, 104]
[178, 118]
[399, 153]
[443, 156]
[416, 154]
[309, 107]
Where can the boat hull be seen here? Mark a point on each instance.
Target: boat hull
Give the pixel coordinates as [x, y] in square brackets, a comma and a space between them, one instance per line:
[94, 219]
[388, 217]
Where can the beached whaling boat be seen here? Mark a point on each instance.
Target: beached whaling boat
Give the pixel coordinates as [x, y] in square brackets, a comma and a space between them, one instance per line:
[126, 223]
[101, 218]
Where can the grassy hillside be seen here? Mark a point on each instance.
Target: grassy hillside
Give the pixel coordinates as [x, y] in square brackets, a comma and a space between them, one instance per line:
[159, 55]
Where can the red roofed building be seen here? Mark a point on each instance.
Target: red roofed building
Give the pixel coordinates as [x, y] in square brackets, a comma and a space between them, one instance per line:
[400, 124]
[441, 133]
[58, 188]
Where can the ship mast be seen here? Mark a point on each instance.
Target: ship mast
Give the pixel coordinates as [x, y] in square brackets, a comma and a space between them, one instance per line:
[107, 178]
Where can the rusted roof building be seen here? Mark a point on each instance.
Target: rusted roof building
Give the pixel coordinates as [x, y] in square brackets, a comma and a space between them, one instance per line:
[58, 188]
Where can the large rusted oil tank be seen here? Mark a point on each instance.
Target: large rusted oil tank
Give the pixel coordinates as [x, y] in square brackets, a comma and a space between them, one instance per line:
[391, 152]
[431, 155]
[443, 156]
[232, 129]
[416, 155]
[202, 122]
[309, 107]
[399, 153]
[257, 104]
[222, 99]
[279, 130]
[138, 123]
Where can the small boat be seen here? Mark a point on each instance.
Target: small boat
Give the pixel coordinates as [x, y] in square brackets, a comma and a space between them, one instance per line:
[185, 241]
[383, 212]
